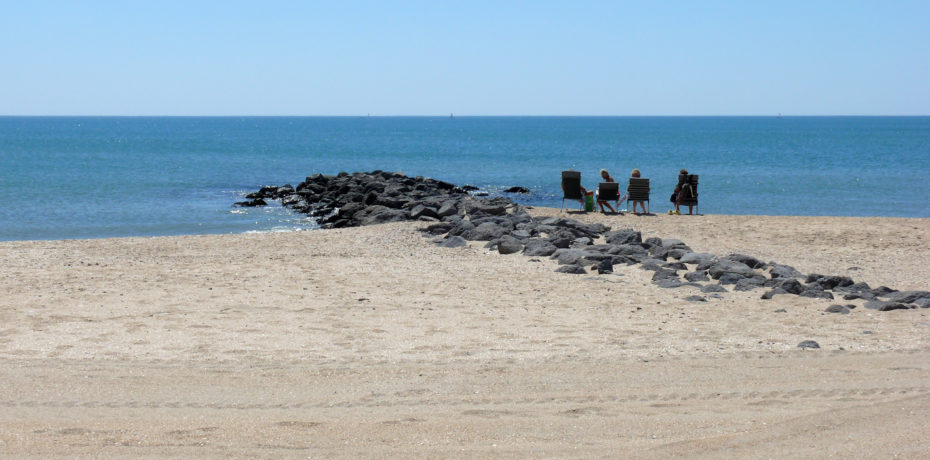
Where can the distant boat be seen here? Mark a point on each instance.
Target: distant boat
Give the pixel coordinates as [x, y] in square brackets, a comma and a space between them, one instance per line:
[451, 116]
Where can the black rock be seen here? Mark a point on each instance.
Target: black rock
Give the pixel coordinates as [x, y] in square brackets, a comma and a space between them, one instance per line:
[676, 266]
[730, 278]
[772, 293]
[830, 282]
[784, 271]
[453, 242]
[422, 211]
[509, 245]
[882, 291]
[789, 285]
[572, 269]
[697, 276]
[672, 243]
[605, 266]
[713, 288]
[907, 296]
[485, 232]
[749, 261]
[882, 305]
[808, 344]
[538, 247]
[485, 208]
[581, 241]
[568, 256]
[252, 203]
[696, 258]
[623, 236]
[695, 298]
[859, 295]
[837, 309]
[813, 293]
[662, 274]
[813, 278]
[747, 284]
[668, 283]
[448, 208]
[658, 252]
[517, 189]
[438, 228]
[729, 266]
[469, 188]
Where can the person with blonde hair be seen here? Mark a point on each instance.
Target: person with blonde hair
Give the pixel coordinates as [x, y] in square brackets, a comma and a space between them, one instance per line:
[607, 178]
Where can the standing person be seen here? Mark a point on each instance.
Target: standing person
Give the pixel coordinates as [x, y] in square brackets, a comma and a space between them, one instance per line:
[636, 175]
[607, 178]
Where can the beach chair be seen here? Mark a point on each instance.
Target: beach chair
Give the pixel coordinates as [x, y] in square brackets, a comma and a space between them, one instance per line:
[638, 190]
[608, 191]
[571, 188]
[689, 198]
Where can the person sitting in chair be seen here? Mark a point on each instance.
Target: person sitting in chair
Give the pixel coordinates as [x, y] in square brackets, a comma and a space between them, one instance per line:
[683, 190]
[607, 178]
[636, 175]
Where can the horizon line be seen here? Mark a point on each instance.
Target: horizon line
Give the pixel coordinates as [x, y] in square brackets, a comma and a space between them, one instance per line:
[451, 115]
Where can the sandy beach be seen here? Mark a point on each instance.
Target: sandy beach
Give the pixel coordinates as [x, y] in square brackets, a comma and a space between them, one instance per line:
[373, 342]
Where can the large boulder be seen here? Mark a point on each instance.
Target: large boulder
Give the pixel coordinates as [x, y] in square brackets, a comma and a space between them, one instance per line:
[571, 269]
[696, 258]
[537, 247]
[749, 261]
[724, 266]
[623, 236]
[784, 271]
[509, 245]
[420, 210]
[485, 232]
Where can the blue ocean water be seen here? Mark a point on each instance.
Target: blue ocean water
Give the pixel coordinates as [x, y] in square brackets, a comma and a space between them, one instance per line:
[89, 177]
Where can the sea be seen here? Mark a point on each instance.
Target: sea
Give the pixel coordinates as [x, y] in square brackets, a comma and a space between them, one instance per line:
[96, 177]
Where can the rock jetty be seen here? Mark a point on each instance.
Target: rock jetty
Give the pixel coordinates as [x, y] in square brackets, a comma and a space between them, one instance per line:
[457, 216]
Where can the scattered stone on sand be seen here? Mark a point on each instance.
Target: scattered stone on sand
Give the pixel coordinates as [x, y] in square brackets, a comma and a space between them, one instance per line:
[572, 269]
[808, 344]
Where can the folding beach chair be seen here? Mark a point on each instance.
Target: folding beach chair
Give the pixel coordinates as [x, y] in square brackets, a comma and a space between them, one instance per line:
[608, 191]
[638, 191]
[571, 188]
[688, 195]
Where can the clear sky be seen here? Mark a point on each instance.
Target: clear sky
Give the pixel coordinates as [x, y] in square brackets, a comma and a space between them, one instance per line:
[475, 57]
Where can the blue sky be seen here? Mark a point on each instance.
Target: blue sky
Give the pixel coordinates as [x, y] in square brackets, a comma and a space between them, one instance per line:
[470, 58]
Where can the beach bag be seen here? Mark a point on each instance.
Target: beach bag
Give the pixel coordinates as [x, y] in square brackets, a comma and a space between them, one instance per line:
[589, 202]
[674, 197]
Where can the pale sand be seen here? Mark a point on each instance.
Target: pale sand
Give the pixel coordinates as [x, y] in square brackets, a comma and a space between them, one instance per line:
[371, 342]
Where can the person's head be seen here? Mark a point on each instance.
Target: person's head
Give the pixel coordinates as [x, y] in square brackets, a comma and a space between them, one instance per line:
[605, 174]
[683, 171]
[635, 173]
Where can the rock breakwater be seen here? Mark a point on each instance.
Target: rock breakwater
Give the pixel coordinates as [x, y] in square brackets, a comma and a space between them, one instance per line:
[457, 216]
